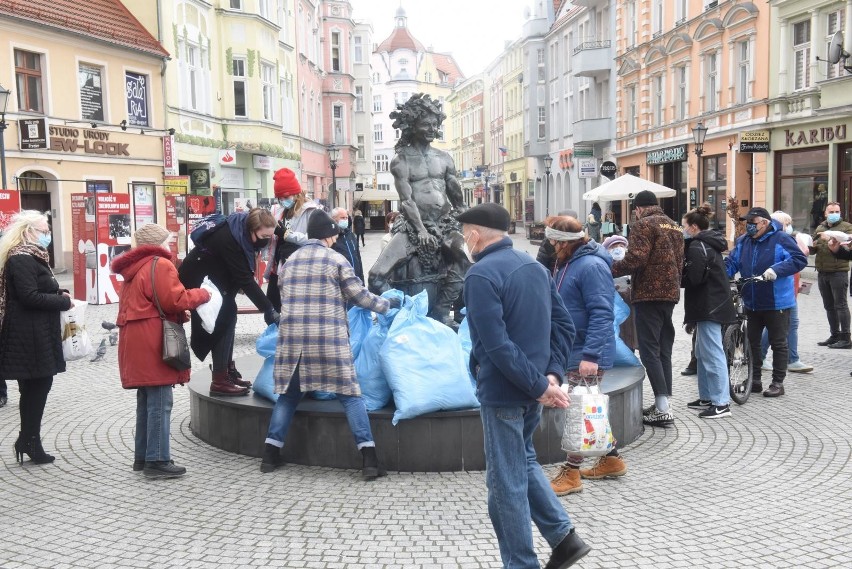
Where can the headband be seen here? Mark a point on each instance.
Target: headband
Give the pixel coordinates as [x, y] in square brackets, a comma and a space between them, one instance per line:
[556, 235]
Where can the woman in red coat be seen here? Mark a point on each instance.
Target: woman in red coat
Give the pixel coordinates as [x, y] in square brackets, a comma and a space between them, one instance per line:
[140, 346]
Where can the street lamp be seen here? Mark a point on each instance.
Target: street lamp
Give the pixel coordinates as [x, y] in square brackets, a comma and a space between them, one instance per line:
[4, 100]
[333, 156]
[699, 133]
[548, 161]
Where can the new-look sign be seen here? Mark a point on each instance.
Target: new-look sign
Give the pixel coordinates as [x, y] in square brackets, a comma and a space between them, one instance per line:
[666, 155]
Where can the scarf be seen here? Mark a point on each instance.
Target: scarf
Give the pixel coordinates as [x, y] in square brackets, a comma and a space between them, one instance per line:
[22, 249]
[237, 225]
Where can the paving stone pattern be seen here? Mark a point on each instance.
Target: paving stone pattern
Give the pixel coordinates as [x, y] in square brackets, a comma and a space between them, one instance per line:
[768, 488]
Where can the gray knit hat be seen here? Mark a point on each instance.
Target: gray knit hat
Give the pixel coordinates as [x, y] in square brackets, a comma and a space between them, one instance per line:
[151, 234]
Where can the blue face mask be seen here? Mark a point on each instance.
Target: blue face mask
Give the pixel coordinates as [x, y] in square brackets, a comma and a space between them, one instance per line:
[686, 234]
[286, 203]
[44, 240]
[751, 229]
[833, 218]
[343, 223]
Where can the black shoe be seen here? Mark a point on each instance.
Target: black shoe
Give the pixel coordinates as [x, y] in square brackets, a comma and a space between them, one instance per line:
[841, 345]
[775, 390]
[3, 400]
[272, 458]
[138, 465]
[689, 371]
[715, 412]
[757, 387]
[699, 404]
[569, 551]
[163, 469]
[370, 464]
[31, 447]
[831, 339]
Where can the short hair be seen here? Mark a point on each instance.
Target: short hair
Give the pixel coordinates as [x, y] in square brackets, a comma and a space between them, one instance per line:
[782, 218]
[337, 210]
[829, 204]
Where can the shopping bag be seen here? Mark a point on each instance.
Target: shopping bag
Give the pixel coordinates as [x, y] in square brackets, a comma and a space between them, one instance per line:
[624, 356]
[76, 343]
[209, 311]
[587, 431]
[368, 365]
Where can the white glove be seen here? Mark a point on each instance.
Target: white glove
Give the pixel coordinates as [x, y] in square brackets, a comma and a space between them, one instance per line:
[769, 275]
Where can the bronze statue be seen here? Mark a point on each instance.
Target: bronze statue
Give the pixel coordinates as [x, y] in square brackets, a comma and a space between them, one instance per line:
[426, 251]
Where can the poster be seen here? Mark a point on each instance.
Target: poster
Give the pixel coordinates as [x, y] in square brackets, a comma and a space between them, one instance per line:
[10, 204]
[136, 91]
[91, 94]
[197, 207]
[84, 255]
[176, 184]
[177, 226]
[143, 204]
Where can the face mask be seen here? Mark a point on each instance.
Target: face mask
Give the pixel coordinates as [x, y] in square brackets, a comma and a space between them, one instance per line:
[261, 242]
[833, 217]
[686, 234]
[286, 203]
[44, 240]
[751, 229]
[343, 223]
[788, 230]
[618, 253]
[467, 252]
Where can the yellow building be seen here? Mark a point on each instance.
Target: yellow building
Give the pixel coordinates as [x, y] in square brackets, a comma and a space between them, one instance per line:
[85, 112]
[520, 192]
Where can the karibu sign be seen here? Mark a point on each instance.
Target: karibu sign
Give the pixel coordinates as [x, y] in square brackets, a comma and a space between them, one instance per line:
[89, 141]
[32, 134]
[666, 155]
[814, 135]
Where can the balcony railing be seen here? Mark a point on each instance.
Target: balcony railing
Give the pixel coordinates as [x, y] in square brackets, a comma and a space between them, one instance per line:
[592, 58]
[594, 44]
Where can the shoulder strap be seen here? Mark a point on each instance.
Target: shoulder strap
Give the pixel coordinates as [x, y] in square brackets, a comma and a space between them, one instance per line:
[154, 287]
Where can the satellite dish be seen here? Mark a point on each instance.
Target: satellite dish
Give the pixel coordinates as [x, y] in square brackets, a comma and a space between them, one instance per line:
[835, 49]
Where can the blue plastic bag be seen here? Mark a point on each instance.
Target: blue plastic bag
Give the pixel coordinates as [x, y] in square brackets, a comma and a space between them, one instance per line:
[368, 366]
[624, 356]
[360, 323]
[424, 365]
[466, 345]
[264, 383]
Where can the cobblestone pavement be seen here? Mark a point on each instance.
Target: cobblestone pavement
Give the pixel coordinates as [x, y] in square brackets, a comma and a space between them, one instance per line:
[769, 487]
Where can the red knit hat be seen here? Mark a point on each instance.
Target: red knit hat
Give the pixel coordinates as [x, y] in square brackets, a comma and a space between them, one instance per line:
[286, 183]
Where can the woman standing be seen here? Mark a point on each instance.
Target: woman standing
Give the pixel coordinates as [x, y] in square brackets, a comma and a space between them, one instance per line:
[227, 254]
[707, 306]
[30, 333]
[584, 281]
[148, 269]
[359, 226]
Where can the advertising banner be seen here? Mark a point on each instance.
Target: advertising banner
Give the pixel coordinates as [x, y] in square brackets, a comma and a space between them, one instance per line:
[176, 184]
[176, 224]
[84, 250]
[136, 92]
[170, 161]
[10, 204]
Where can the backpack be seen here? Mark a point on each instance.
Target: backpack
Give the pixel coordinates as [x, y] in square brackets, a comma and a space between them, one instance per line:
[205, 227]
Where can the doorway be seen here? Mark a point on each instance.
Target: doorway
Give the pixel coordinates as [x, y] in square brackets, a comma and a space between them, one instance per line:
[844, 182]
[40, 202]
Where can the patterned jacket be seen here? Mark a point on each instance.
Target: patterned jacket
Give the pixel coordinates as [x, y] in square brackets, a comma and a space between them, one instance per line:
[654, 258]
[315, 284]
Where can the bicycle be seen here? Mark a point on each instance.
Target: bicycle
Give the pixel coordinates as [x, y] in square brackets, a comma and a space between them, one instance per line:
[736, 346]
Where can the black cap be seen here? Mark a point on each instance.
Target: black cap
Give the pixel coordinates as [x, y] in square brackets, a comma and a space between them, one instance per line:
[321, 226]
[756, 212]
[645, 198]
[487, 215]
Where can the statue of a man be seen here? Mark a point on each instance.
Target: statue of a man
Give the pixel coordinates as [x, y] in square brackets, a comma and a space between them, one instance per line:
[426, 251]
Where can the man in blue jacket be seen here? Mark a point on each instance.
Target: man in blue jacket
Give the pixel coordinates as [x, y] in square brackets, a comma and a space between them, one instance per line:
[766, 252]
[522, 337]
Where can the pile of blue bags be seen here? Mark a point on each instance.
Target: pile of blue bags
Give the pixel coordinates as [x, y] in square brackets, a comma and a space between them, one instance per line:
[624, 356]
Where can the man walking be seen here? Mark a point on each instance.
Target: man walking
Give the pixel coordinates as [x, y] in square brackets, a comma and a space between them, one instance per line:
[522, 337]
[767, 251]
[655, 260]
[347, 242]
[833, 279]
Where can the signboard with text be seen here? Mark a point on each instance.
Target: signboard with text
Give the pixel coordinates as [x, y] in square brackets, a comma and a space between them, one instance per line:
[176, 184]
[136, 92]
[91, 93]
[754, 141]
[587, 167]
[170, 161]
[32, 134]
[666, 155]
[10, 204]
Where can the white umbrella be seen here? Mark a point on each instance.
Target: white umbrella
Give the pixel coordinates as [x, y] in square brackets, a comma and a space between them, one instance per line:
[625, 188]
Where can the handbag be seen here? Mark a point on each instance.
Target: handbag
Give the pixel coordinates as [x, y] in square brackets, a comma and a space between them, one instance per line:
[175, 346]
[587, 431]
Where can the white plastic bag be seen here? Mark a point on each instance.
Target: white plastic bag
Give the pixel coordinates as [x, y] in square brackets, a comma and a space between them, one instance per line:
[76, 343]
[209, 311]
[587, 431]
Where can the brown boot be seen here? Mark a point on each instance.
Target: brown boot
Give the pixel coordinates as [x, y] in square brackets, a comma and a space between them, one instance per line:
[605, 467]
[236, 377]
[223, 386]
[566, 481]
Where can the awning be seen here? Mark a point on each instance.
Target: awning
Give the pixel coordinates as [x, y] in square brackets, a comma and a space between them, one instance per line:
[375, 195]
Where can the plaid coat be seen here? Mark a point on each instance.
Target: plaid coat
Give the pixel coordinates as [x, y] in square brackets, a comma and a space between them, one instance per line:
[316, 282]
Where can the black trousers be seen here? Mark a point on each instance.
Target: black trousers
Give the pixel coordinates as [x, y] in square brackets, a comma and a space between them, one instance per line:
[656, 335]
[777, 324]
[832, 288]
[33, 399]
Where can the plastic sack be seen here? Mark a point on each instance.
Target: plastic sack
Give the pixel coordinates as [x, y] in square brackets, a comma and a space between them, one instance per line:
[624, 356]
[209, 311]
[424, 365]
[587, 431]
[368, 365]
[264, 383]
[466, 345]
[76, 343]
[360, 323]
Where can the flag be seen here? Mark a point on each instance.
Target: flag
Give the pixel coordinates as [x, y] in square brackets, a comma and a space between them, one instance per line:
[503, 150]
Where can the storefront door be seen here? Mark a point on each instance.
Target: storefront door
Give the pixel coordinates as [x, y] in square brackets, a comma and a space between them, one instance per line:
[844, 183]
[40, 202]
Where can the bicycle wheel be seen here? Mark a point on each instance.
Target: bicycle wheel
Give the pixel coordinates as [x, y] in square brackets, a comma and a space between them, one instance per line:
[738, 354]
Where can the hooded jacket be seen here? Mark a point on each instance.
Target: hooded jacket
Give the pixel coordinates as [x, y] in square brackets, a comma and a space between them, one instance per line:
[751, 257]
[707, 290]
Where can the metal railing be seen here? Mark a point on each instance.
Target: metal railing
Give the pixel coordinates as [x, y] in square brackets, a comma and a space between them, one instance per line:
[599, 44]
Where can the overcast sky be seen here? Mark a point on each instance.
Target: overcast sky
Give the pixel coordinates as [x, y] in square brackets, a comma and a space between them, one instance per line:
[474, 31]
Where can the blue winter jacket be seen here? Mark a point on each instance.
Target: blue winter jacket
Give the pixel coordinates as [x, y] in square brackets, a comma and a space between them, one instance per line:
[519, 327]
[586, 287]
[751, 257]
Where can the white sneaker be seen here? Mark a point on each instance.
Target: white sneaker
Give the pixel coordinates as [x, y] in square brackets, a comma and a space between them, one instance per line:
[766, 366]
[799, 367]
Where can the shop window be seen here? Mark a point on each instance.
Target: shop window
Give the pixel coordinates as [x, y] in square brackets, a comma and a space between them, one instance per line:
[715, 190]
[29, 81]
[801, 186]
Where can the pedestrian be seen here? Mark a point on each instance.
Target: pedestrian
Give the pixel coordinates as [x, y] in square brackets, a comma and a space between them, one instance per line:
[521, 336]
[654, 260]
[347, 243]
[768, 252]
[313, 352]
[838, 249]
[390, 219]
[833, 279]
[359, 226]
[707, 307]
[150, 277]
[584, 282]
[546, 251]
[292, 213]
[616, 246]
[784, 222]
[228, 256]
[30, 331]
[593, 222]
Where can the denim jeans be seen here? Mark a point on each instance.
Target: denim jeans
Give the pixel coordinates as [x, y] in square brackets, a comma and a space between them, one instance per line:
[656, 335]
[518, 490]
[712, 368]
[153, 418]
[285, 409]
[792, 338]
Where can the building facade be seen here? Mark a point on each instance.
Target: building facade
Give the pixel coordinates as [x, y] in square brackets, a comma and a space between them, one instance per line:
[362, 118]
[466, 114]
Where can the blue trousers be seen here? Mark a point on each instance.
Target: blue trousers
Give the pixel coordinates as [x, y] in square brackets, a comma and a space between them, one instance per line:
[153, 418]
[713, 384]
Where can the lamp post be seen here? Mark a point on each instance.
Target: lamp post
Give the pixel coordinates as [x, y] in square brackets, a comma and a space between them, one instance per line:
[4, 100]
[699, 133]
[548, 161]
[333, 156]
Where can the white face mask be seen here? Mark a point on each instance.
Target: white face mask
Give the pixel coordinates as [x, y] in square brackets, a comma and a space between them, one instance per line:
[617, 253]
[467, 252]
[788, 230]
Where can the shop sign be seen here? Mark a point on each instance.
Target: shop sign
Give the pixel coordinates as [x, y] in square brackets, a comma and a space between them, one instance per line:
[814, 135]
[176, 185]
[584, 151]
[170, 161]
[137, 98]
[32, 134]
[608, 169]
[67, 139]
[666, 155]
[91, 94]
[753, 147]
[754, 141]
[262, 162]
[227, 157]
[588, 167]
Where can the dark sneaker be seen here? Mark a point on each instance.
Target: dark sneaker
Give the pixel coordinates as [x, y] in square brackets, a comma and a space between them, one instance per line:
[138, 465]
[831, 339]
[841, 345]
[689, 371]
[163, 470]
[757, 387]
[648, 410]
[659, 419]
[699, 404]
[775, 390]
[568, 552]
[716, 412]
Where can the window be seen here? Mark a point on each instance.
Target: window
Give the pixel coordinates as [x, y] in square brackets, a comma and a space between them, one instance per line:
[681, 11]
[375, 78]
[99, 186]
[265, 9]
[715, 190]
[28, 79]
[630, 24]
[657, 21]
[195, 84]
[427, 77]
[267, 76]
[91, 92]
[802, 54]
[542, 127]
[358, 49]
[359, 99]
[582, 98]
[712, 83]
[631, 109]
[377, 103]
[335, 51]
[836, 23]
[396, 133]
[540, 62]
[382, 163]
[361, 144]
[377, 133]
[743, 71]
[384, 187]
[240, 100]
[682, 94]
[657, 82]
[236, 4]
[337, 124]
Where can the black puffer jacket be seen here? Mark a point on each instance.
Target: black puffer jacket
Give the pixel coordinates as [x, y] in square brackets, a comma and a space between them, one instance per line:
[31, 341]
[706, 288]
